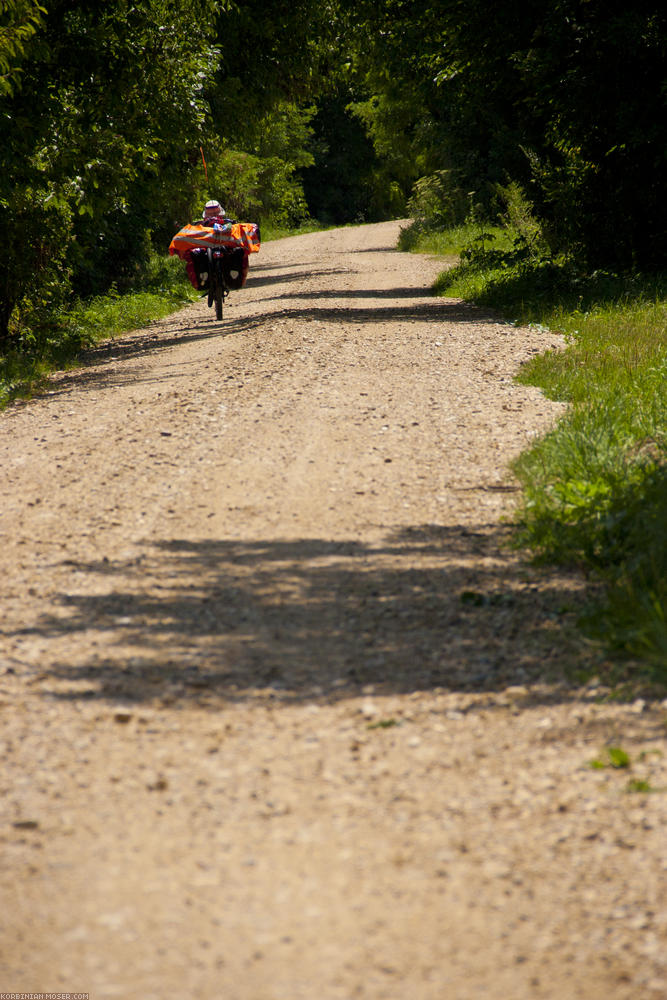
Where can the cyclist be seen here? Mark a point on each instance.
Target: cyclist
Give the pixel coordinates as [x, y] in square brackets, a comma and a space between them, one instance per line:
[196, 261]
[239, 239]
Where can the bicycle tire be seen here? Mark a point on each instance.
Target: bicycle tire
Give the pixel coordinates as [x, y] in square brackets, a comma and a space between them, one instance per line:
[219, 294]
[211, 277]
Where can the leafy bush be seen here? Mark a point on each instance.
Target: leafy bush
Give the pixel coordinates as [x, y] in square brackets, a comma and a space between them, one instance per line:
[35, 228]
[437, 202]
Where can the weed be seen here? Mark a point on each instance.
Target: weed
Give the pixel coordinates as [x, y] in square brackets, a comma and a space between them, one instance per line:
[639, 785]
[616, 757]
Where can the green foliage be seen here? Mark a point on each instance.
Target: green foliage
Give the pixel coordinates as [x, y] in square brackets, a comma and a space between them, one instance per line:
[272, 67]
[348, 182]
[21, 374]
[633, 618]
[565, 97]
[639, 785]
[619, 760]
[104, 111]
[518, 216]
[596, 487]
[281, 52]
[79, 324]
[38, 224]
[19, 20]
[99, 133]
[391, 122]
[616, 757]
[437, 202]
[259, 179]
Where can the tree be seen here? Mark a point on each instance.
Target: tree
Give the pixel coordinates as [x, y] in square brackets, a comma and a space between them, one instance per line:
[348, 181]
[599, 77]
[99, 135]
[276, 60]
[19, 20]
[565, 96]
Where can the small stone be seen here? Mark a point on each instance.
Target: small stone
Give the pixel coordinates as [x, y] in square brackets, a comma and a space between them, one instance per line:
[159, 785]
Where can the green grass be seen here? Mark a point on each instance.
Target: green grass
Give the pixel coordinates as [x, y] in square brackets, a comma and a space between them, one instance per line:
[23, 371]
[595, 488]
[451, 242]
[270, 231]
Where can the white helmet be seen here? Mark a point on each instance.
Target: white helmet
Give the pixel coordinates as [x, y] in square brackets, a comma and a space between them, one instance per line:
[213, 208]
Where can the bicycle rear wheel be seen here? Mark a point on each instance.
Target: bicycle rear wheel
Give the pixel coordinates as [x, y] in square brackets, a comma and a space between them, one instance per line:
[219, 288]
[216, 286]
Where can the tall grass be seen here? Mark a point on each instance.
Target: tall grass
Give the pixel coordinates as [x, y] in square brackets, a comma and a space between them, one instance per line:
[595, 488]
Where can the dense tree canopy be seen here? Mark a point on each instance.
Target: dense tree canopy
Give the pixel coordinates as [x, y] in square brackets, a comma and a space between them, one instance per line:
[19, 20]
[322, 108]
[568, 97]
[96, 135]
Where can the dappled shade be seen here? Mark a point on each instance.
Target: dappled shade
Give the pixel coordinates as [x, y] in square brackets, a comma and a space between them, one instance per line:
[299, 619]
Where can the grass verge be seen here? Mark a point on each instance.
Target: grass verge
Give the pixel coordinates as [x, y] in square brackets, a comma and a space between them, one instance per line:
[24, 371]
[595, 488]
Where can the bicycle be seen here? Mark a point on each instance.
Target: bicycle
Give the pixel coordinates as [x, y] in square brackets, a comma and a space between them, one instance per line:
[217, 256]
[217, 285]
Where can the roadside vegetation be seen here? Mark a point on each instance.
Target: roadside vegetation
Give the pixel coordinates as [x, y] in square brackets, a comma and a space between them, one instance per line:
[595, 488]
[56, 345]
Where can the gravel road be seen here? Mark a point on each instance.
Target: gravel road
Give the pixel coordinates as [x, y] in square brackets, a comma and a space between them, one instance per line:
[283, 717]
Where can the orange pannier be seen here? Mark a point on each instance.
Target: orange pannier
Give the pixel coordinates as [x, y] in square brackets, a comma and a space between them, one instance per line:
[231, 235]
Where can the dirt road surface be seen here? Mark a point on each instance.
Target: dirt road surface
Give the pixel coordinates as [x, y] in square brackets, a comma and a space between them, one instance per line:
[282, 716]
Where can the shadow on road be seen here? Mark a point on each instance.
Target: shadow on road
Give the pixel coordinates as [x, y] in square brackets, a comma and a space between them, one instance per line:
[105, 366]
[260, 279]
[354, 293]
[437, 312]
[432, 607]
